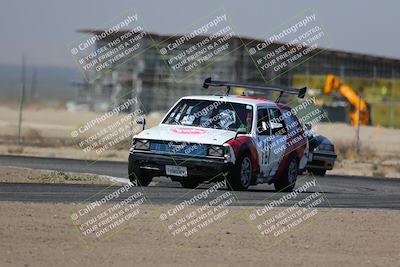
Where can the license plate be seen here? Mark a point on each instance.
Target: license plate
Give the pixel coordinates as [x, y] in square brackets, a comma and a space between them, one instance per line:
[176, 170]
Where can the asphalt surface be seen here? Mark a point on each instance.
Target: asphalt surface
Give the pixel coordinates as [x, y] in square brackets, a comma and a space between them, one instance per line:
[338, 191]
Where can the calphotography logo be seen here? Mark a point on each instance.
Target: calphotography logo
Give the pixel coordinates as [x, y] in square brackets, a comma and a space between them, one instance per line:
[206, 42]
[305, 37]
[110, 129]
[200, 133]
[108, 48]
[283, 214]
[198, 212]
[106, 215]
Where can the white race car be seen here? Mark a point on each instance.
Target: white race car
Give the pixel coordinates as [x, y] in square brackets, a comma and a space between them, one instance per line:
[240, 139]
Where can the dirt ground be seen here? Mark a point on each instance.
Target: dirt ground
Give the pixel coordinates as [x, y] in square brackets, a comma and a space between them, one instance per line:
[26, 175]
[44, 235]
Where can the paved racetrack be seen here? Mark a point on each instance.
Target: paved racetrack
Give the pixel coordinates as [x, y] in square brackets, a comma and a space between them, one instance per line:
[340, 191]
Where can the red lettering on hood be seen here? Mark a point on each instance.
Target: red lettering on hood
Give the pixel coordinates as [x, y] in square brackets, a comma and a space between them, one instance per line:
[188, 131]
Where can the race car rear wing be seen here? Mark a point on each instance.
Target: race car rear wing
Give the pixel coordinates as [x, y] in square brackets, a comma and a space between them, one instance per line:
[301, 92]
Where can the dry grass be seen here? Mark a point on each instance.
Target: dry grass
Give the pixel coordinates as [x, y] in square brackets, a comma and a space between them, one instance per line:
[347, 150]
[379, 173]
[62, 177]
[26, 175]
[32, 134]
[15, 149]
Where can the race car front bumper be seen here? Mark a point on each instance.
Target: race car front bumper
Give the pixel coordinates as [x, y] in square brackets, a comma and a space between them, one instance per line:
[322, 160]
[199, 168]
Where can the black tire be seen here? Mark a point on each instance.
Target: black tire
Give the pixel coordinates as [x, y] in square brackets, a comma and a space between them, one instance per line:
[136, 176]
[239, 178]
[189, 183]
[287, 181]
[318, 172]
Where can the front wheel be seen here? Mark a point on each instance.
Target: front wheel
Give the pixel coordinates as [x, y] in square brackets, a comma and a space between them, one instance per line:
[239, 178]
[287, 181]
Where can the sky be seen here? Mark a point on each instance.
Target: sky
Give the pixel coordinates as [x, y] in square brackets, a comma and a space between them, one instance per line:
[43, 29]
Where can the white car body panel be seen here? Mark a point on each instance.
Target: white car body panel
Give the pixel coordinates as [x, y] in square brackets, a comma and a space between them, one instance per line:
[189, 134]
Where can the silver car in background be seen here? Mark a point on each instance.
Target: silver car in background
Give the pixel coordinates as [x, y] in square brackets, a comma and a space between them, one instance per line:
[321, 155]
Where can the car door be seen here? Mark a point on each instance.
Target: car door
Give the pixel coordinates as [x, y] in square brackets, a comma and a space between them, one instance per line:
[277, 140]
[262, 136]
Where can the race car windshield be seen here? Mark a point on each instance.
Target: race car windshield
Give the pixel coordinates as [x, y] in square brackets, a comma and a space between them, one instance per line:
[211, 114]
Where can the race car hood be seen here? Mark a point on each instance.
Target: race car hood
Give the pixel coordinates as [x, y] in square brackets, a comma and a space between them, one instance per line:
[179, 133]
[315, 140]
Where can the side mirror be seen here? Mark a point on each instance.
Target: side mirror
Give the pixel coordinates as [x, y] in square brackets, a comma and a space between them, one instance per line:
[141, 121]
[240, 131]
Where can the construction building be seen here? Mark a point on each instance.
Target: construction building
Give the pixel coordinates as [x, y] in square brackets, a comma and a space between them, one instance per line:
[148, 76]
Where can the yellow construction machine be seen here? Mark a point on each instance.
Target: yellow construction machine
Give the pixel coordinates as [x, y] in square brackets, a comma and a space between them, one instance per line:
[359, 106]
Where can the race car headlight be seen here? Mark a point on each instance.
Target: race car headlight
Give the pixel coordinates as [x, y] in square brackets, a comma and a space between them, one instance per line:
[141, 144]
[216, 151]
[326, 147]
